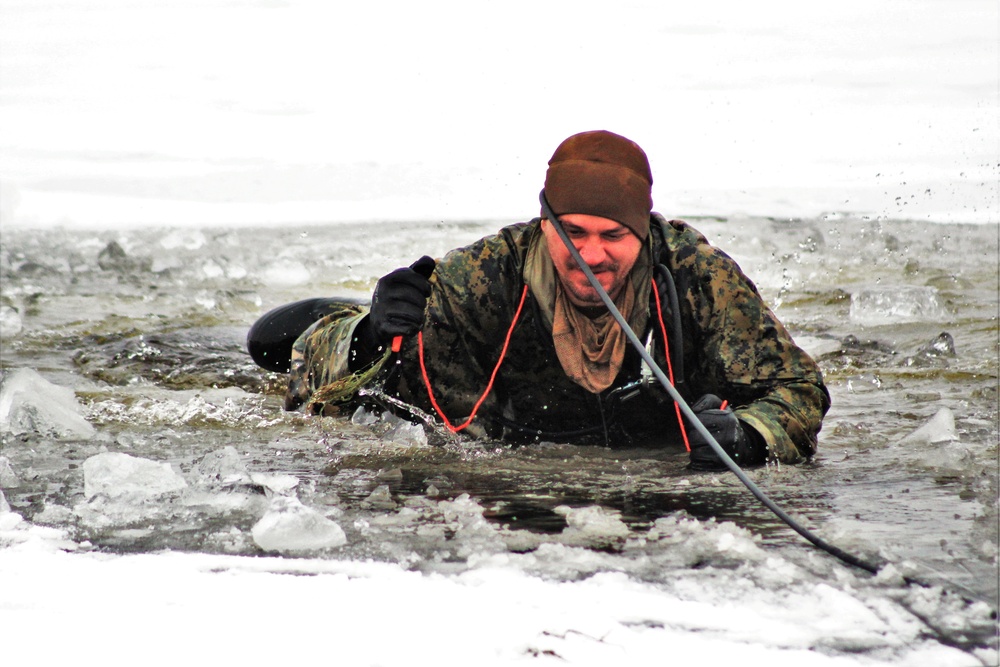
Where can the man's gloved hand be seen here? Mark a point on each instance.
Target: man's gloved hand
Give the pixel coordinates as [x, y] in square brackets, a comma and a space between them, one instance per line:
[398, 303]
[743, 444]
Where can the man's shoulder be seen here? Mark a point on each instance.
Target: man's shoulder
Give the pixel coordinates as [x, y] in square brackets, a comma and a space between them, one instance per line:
[678, 233]
[685, 245]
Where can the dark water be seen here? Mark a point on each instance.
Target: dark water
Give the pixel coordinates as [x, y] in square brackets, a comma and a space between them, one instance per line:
[147, 326]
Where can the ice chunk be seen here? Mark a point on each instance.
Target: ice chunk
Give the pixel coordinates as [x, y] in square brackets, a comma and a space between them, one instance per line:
[362, 417]
[10, 322]
[114, 258]
[407, 433]
[4, 507]
[277, 484]
[117, 475]
[8, 478]
[858, 384]
[224, 467]
[31, 404]
[940, 428]
[53, 515]
[897, 304]
[188, 239]
[687, 541]
[472, 533]
[290, 526]
[942, 346]
[380, 498]
[941, 452]
[593, 526]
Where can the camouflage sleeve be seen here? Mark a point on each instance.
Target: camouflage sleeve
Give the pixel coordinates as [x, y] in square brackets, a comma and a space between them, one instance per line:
[320, 356]
[749, 357]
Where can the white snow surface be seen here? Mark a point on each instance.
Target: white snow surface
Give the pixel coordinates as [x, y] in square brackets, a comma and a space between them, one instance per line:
[135, 112]
[62, 605]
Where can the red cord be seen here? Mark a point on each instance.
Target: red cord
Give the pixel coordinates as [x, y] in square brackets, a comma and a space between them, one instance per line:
[489, 387]
[670, 367]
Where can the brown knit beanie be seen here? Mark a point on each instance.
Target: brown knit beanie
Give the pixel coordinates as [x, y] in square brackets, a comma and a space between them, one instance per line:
[604, 174]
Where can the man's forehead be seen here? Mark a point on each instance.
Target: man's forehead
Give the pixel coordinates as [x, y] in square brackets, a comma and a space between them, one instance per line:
[590, 222]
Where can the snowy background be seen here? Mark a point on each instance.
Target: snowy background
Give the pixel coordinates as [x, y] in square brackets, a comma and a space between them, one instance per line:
[124, 112]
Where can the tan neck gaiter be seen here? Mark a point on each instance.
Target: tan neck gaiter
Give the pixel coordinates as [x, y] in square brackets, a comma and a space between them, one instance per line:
[590, 350]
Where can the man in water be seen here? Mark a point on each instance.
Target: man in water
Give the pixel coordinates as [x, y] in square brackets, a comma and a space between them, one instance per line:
[506, 338]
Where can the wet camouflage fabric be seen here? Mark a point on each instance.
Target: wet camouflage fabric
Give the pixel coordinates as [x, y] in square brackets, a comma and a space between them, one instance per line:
[733, 345]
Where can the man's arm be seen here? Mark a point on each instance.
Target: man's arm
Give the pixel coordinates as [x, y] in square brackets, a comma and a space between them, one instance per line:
[745, 355]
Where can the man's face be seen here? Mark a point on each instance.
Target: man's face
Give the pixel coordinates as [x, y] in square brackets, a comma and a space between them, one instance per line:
[609, 249]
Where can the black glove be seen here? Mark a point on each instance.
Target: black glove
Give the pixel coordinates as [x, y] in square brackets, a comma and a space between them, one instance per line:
[398, 305]
[743, 444]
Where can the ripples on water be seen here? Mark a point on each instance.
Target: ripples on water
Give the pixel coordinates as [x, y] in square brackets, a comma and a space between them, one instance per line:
[148, 326]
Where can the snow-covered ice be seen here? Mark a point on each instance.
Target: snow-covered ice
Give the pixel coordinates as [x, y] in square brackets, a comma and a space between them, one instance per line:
[502, 609]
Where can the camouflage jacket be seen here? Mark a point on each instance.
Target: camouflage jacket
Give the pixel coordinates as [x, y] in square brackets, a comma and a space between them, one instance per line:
[733, 347]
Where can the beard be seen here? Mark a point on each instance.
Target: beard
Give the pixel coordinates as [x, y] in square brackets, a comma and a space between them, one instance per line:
[582, 294]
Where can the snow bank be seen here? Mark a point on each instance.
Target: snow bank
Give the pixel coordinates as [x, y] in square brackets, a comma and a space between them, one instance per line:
[174, 608]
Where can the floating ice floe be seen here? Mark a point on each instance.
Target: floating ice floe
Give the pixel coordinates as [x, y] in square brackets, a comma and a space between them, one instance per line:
[472, 535]
[290, 526]
[939, 429]
[592, 526]
[10, 322]
[118, 475]
[407, 433]
[938, 448]
[380, 498]
[183, 238]
[31, 404]
[8, 478]
[223, 467]
[892, 305]
[364, 417]
[275, 483]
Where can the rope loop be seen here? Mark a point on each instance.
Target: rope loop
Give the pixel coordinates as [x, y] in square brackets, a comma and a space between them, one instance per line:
[489, 387]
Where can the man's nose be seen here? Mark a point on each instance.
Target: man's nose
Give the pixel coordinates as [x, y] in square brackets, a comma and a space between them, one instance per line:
[592, 251]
